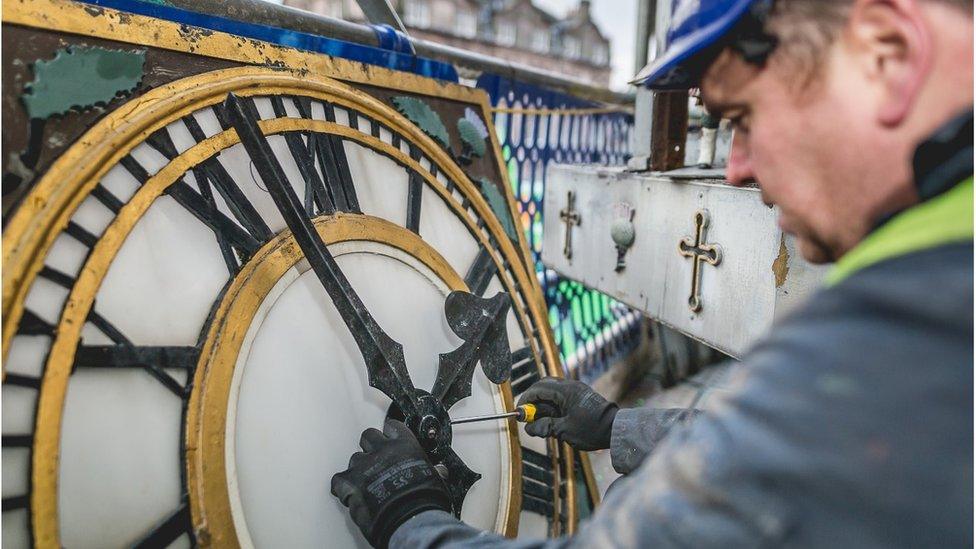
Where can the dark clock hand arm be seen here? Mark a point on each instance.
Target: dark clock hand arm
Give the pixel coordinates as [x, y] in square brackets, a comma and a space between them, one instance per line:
[385, 364]
[480, 323]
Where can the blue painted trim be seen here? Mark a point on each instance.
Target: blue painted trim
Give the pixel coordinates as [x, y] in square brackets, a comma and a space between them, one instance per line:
[392, 39]
[395, 60]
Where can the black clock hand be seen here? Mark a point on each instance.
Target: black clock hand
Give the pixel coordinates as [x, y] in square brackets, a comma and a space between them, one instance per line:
[385, 366]
[481, 324]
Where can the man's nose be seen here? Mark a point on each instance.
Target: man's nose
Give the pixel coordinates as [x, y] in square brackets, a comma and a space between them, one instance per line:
[739, 169]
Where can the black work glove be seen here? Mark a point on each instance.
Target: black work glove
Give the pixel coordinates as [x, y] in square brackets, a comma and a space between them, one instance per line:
[580, 416]
[389, 482]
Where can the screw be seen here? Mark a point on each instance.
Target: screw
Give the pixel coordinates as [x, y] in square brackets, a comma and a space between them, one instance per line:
[441, 470]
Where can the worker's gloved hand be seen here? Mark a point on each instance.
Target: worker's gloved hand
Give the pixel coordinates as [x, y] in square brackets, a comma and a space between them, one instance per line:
[580, 416]
[388, 482]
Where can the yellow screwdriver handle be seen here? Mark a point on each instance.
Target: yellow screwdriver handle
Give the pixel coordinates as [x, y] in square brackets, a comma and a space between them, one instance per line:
[528, 413]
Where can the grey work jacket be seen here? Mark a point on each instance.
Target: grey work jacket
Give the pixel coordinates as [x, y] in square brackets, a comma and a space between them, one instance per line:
[851, 425]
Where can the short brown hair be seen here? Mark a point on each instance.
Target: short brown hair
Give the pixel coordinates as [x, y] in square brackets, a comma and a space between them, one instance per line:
[804, 28]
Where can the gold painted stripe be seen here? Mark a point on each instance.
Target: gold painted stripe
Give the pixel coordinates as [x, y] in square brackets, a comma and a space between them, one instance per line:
[563, 112]
[87, 20]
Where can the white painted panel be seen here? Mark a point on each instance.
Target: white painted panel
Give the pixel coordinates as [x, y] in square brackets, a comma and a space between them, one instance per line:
[45, 299]
[740, 296]
[290, 109]
[15, 532]
[180, 135]
[381, 184]
[16, 472]
[119, 437]
[27, 355]
[149, 158]
[93, 216]
[165, 278]
[91, 335]
[66, 255]
[318, 110]
[120, 182]
[264, 107]
[296, 426]
[532, 526]
[446, 233]
[18, 409]
[208, 122]
[341, 116]
[385, 135]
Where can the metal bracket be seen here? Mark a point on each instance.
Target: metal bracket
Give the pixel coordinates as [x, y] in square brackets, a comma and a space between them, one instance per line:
[381, 12]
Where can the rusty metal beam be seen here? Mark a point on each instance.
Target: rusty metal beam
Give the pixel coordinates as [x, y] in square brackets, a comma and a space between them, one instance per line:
[669, 130]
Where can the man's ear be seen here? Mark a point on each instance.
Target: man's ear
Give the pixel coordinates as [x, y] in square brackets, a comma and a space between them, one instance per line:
[896, 47]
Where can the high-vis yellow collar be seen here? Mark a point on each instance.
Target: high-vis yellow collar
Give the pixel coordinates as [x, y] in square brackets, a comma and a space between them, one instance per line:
[945, 219]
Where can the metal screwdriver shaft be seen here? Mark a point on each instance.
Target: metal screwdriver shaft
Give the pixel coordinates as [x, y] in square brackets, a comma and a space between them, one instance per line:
[525, 413]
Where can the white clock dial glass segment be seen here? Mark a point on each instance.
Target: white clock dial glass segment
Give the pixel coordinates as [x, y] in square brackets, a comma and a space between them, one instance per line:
[169, 269]
[107, 371]
[119, 473]
[304, 398]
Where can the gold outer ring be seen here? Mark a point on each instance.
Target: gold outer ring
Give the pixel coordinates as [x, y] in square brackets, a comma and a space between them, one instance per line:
[206, 417]
[46, 211]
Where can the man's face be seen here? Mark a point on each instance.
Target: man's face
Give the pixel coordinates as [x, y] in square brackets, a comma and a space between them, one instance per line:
[807, 143]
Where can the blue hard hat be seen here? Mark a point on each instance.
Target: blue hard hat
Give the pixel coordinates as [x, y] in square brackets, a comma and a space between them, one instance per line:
[696, 25]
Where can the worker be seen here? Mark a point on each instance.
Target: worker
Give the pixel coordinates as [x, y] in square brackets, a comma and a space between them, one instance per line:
[851, 423]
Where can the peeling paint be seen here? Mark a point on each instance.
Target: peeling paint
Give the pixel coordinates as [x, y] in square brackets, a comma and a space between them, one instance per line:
[781, 265]
[81, 78]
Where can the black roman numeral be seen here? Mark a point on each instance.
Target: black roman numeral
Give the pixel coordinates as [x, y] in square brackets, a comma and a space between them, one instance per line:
[537, 482]
[167, 531]
[106, 197]
[415, 194]
[315, 193]
[480, 272]
[15, 502]
[81, 234]
[125, 354]
[525, 372]
[332, 157]
[33, 325]
[230, 235]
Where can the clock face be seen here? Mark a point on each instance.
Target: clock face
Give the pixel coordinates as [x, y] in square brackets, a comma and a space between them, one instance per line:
[177, 368]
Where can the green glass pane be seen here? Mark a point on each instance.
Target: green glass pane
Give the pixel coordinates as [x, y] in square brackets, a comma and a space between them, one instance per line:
[501, 124]
[597, 308]
[569, 339]
[537, 190]
[585, 304]
[537, 231]
[513, 174]
[576, 310]
[554, 322]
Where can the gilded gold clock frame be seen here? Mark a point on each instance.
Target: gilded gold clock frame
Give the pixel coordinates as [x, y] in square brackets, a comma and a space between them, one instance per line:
[46, 210]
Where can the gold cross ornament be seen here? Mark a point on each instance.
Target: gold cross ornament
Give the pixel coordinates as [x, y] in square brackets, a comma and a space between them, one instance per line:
[570, 217]
[699, 252]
